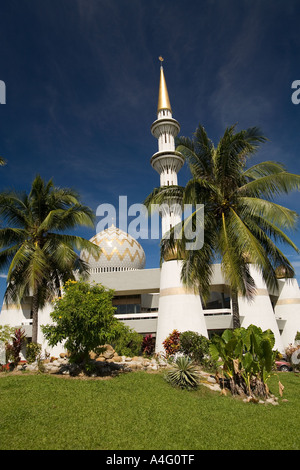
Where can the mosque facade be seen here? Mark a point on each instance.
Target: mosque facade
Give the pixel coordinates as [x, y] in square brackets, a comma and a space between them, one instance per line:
[154, 301]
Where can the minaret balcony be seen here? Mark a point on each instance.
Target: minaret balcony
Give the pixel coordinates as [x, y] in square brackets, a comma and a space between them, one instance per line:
[161, 161]
[165, 126]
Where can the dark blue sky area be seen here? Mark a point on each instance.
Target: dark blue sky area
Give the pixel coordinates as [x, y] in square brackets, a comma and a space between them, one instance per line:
[82, 83]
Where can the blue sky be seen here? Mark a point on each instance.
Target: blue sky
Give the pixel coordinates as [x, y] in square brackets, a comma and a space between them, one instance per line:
[82, 83]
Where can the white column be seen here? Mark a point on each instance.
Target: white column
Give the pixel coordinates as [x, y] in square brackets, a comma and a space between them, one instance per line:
[287, 309]
[259, 311]
[179, 308]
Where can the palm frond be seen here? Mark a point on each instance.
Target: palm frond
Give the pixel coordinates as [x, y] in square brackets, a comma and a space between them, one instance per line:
[73, 241]
[164, 195]
[264, 169]
[231, 153]
[233, 263]
[14, 209]
[261, 227]
[65, 219]
[271, 185]
[203, 190]
[274, 213]
[7, 255]
[12, 235]
[197, 152]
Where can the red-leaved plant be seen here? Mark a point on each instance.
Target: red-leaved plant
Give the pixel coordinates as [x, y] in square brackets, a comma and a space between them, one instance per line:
[18, 341]
[171, 344]
[148, 345]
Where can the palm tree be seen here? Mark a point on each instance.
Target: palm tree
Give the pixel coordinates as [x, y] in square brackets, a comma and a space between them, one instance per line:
[242, 223]
[35, 248]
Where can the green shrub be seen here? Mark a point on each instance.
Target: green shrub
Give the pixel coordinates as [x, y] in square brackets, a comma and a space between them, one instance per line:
[183, 374]
[6, 332]
[128, 342]
[33, 351]
[83, 319]
[194, 345]
[9, 353]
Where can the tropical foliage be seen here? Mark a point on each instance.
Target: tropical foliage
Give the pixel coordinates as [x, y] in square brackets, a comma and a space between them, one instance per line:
[33, 351]
[127, 341]
[6, 332]
[172, 343]
[35, 247]
[247, 359]
[190, 344]
[242, 221]
[83, 319]
[194, 345]
[13, 348]
[183, 374]
[148, 345]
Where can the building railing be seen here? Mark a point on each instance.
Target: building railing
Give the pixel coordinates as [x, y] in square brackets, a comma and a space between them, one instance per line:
[217, 311]
[137, 316]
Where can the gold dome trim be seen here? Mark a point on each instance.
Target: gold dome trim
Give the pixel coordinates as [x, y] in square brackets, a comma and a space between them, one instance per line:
[105, 238]
[121, 257]
[108, 256]
[111, 242]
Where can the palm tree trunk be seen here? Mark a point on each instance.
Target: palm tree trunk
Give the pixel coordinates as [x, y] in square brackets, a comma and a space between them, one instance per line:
[235, 309]
[35, 310]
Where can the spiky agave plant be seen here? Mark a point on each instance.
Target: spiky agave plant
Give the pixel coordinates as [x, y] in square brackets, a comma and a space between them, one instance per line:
[183, 374]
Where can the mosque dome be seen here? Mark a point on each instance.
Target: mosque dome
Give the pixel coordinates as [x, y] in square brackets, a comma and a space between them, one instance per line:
[119, 252]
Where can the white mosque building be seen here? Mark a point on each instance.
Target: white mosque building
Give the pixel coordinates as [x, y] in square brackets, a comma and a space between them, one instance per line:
[154, 301]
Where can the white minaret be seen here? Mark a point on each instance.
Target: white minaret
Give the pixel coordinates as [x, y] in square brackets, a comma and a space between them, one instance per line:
[167, 162]
[179, 308]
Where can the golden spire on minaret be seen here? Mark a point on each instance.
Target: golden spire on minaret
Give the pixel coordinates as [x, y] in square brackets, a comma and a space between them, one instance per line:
[163, 96]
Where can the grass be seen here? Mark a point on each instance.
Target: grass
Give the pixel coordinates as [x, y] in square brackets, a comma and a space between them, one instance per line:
[140, 411]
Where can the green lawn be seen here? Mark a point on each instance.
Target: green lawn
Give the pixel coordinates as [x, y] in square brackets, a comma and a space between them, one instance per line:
[139, 411]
